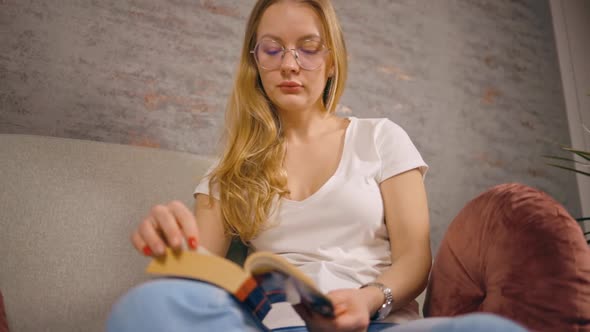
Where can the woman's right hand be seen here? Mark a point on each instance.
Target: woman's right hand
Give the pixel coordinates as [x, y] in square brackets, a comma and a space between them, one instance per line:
[167, 225]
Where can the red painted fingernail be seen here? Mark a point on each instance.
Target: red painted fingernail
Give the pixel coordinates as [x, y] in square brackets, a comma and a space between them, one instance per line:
[192, 242]
[147, 251]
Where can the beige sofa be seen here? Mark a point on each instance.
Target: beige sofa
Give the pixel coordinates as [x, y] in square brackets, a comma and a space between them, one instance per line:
[67, 208]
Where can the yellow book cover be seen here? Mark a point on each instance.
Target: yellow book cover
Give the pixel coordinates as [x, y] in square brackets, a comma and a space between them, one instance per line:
[266, 278]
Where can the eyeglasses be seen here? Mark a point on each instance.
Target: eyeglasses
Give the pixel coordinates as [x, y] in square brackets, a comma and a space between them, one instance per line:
[309, 54]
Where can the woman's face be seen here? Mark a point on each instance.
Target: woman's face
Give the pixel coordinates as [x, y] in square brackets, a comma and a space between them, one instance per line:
[290, 87]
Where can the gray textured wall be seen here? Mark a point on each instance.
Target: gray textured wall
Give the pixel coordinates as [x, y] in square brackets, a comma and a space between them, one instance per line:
[474, 82]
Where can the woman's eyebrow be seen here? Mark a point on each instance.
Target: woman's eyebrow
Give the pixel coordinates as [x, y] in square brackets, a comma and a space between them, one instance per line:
[306, 37]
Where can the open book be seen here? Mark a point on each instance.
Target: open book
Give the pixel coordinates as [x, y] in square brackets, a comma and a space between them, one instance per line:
[265, 279]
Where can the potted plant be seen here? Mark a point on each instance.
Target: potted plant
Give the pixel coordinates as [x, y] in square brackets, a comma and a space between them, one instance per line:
[585, 155]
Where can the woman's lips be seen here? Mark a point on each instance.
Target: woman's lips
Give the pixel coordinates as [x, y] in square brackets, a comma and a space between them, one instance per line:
[290, 87]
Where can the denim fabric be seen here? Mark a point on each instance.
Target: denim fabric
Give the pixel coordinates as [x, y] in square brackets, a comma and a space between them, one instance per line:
[182, 305]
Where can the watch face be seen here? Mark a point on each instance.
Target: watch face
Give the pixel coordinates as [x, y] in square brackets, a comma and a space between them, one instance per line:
[385, 310]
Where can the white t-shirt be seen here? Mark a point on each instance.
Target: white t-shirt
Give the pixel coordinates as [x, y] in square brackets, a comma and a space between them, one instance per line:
[337, 236]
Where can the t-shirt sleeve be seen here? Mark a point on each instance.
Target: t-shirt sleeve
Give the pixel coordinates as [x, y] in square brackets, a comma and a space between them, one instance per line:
[203, 186]
[396, 151]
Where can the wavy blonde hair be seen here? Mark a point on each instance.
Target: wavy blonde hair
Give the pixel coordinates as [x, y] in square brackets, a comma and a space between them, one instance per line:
[250, 174]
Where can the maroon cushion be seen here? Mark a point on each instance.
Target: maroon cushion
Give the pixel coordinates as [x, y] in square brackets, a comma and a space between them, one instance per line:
[516, 252]
[3, 321]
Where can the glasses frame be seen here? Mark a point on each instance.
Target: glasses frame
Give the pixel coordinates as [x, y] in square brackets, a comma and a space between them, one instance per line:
[284, 51]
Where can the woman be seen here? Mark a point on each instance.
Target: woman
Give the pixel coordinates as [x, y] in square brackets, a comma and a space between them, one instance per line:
[342, 198]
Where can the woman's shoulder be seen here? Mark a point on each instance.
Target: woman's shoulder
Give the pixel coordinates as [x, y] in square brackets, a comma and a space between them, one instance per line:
[376, 127]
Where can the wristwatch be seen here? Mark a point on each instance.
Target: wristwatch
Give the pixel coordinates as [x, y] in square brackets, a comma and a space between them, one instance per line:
[387, 304]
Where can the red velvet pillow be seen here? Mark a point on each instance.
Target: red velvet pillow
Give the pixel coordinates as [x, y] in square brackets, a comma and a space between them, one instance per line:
[3, 321]
[516, 252]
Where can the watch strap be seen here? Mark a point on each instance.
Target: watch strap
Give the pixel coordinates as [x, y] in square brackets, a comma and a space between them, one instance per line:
[385, 308]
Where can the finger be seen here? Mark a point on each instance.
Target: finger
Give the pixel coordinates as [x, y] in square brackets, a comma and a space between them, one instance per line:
[355, 317]
[340, 308]
[140, 244]
[316, 317]
[314, 322]
[151, 237]
[167, 223]
[185, 218]
[350, 323]
[339, 299]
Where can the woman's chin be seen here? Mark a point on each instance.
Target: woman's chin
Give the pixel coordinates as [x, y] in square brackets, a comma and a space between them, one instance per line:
[292, 103]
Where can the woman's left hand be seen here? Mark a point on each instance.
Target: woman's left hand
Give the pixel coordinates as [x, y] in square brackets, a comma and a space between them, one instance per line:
[351, 308]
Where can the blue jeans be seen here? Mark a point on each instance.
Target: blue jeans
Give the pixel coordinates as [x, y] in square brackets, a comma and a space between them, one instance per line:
[181, 305]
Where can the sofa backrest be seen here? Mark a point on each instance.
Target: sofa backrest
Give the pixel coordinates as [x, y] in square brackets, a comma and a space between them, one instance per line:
[67, 208]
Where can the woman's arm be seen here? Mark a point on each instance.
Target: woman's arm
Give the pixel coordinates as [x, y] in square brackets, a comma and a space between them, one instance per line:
[406, 217]
[210, 224]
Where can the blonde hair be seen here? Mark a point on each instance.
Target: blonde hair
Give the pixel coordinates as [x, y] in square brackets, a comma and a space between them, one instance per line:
[250, 174]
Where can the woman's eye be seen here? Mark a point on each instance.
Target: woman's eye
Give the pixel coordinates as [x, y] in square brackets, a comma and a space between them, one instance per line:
[310, 47]
[310, 51]
[272, 51]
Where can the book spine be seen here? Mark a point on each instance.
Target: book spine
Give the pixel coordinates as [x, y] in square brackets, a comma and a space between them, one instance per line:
[254, 298]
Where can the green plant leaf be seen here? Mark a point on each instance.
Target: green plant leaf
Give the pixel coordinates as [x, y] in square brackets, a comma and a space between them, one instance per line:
[570, 169]
[567, 159]
[583, 154]
[582, 219]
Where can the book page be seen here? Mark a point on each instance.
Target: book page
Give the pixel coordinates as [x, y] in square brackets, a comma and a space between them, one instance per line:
[200, 265]
[283, 282]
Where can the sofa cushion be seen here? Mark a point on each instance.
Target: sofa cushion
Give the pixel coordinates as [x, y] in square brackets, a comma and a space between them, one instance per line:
[516, 252]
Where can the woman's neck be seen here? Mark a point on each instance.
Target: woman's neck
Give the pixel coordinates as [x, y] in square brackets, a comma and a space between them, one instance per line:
[301, 126]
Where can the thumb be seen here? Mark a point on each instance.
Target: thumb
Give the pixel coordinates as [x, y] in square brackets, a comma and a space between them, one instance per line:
[339, 300]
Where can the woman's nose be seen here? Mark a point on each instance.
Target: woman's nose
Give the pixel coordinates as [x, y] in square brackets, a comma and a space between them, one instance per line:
[289, 61]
